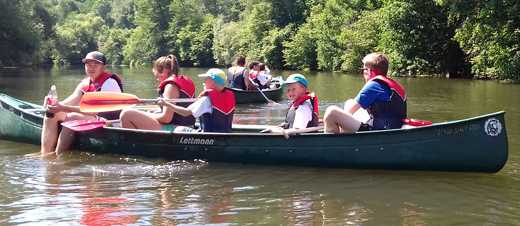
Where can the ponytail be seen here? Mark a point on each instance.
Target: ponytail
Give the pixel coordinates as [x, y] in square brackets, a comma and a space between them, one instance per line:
[170, 62]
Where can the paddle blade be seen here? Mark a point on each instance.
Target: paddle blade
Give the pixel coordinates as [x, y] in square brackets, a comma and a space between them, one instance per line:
[106, 101]
[83, 125]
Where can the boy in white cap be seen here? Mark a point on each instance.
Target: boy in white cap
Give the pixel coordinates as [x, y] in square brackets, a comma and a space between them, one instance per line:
[98, 79]
[215, 106]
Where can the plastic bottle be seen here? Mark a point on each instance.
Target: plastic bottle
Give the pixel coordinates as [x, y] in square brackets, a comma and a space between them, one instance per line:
[51, 99]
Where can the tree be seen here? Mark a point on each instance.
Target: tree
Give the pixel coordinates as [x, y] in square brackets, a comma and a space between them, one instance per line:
[489, 33]
[76, 37]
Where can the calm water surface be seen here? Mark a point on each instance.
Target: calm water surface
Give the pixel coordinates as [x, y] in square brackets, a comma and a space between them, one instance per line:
[80, 188]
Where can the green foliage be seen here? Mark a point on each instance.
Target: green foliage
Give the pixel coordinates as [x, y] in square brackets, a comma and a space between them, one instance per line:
[480, 38]
[76, 37]
[226, 41]
[194, 44]
[18, 42]
[414, 35]
[358, 41]
[491, 38]
[112, 43]
[320, 37]
[300, 52]
[144, 43]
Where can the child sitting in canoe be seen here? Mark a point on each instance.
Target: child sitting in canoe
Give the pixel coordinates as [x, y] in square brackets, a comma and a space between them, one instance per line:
[172, 85]
[303, 110]
[215, 106]
[382, 97]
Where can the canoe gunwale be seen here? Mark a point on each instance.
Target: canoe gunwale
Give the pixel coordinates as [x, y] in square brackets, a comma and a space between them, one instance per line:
[389, 131]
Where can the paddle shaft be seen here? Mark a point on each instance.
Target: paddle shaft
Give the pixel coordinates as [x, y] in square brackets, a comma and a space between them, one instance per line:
[138, 101]
[262, 92]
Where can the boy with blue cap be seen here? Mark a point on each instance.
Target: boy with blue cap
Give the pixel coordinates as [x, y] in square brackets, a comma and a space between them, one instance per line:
[303, 111]
[215, 106]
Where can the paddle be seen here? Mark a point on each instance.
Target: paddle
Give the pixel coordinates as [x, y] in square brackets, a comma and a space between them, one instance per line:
[112, 101]
[85, 125]
[416, 122]
[265, 97]
[288, 132]
[263, 94]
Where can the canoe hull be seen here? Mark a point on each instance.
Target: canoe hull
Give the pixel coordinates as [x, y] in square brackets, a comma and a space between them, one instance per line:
[478, 144]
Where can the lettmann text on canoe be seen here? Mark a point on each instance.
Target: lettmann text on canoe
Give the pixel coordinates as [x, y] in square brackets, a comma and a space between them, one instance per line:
[197, 141]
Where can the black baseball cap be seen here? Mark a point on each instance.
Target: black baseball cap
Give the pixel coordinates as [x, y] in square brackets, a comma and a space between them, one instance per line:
[96, 56]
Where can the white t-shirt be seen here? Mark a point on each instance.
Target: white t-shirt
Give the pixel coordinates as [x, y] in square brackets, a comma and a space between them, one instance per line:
[263, 77]
[303, 116]
[200, 107]
[110, 85]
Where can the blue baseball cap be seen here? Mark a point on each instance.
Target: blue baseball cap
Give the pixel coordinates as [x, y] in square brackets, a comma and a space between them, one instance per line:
[296, 78]
[217, 75]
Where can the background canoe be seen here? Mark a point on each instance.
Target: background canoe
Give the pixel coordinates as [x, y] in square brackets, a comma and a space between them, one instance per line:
[254, 96]
[477, 144]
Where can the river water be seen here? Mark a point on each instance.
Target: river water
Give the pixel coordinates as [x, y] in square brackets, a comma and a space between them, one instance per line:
[81, 188]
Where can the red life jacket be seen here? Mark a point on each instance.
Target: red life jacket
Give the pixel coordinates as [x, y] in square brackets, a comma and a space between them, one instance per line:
[221, 118]
[388, 114]
[291, 113]
[95, 86]
[183, 83]
[186, 90]
[253, 74]
[393, 85]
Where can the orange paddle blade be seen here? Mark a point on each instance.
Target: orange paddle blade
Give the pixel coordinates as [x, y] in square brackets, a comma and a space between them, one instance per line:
[106, 101]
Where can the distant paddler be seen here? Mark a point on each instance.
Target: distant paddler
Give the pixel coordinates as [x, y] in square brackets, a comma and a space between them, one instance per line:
[98, 79]
[237, 75]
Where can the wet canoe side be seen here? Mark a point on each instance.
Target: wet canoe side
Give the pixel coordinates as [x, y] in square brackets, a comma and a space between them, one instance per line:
[460, 146]
[477, 144]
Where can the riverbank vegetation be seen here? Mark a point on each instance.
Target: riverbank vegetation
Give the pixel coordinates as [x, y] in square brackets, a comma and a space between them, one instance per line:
[454, 38]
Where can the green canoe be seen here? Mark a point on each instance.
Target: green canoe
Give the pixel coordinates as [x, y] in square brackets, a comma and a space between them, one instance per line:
[477, 144]
[254, 96]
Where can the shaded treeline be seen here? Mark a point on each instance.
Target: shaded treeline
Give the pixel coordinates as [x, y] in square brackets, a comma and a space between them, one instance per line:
[457, 38]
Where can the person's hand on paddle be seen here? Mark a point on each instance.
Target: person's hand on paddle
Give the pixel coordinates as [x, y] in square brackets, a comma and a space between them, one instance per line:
[162, 102]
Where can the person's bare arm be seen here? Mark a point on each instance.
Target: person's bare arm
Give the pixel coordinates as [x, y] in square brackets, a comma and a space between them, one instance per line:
[247, 81]
[71, 103]
[352, 106]
[170, 92]
[177, 109]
